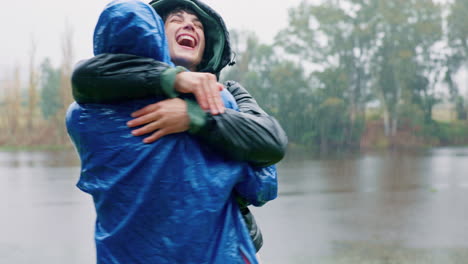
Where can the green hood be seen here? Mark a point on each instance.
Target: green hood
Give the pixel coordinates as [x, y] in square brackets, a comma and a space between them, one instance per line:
[217, 50]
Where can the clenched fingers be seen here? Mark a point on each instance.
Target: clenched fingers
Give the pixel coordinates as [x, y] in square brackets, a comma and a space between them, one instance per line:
[204, 87]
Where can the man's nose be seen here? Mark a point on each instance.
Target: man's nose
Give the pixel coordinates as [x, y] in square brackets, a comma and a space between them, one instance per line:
[189, 26]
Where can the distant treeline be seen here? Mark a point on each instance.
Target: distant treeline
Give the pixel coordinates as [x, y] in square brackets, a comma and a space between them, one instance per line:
[318, 78]
[336, 59]
[33, 111]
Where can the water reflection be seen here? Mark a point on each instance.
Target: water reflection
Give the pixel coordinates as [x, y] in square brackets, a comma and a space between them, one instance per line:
[45, 219]
[376, 172]
[381, 207]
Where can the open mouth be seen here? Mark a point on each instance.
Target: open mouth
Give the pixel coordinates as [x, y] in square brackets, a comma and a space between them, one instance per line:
[186, 41]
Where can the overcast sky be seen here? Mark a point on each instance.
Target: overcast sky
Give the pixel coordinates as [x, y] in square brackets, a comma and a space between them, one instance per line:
[44, 21]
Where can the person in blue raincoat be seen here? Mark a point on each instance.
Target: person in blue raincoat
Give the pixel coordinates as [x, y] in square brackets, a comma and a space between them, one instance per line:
[133, 27]
[145, 194]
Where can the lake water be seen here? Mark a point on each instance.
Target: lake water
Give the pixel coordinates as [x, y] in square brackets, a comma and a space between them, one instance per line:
[383, 207]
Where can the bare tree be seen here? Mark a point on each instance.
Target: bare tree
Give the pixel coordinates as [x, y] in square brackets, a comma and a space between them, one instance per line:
[65, 81]
[12, 106]
[66, 65]
[32, 87]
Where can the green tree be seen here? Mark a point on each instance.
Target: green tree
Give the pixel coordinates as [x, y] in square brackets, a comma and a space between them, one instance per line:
[334, 125]
[457, 36]
[458, 31]
[279, 86]
[379, 45]
[312, 109]
[407, 33]
[335, 37]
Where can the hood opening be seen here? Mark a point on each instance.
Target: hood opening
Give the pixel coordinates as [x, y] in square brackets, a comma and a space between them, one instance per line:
[217, 49]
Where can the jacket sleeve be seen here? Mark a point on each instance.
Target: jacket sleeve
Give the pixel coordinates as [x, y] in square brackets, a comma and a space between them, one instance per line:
[258, 187]
[112, 78]
[249, 135]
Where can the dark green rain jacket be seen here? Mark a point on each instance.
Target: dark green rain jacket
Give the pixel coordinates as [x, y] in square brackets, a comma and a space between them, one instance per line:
[249, 135]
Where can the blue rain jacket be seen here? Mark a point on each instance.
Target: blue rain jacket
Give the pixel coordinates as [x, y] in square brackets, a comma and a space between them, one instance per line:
[171, 201]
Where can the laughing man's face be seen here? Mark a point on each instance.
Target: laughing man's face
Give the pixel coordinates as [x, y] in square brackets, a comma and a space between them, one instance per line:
[186, 39]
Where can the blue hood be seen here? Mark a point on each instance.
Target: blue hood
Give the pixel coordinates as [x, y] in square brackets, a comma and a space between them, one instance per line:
[131, 27]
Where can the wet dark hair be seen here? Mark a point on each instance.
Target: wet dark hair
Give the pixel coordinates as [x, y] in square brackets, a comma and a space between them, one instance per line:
[184, 8]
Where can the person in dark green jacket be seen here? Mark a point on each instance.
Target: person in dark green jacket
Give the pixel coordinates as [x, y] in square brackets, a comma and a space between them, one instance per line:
[250, 135]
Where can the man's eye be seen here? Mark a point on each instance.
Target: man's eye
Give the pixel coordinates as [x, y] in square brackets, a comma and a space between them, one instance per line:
[176, 20]
[199, 25]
